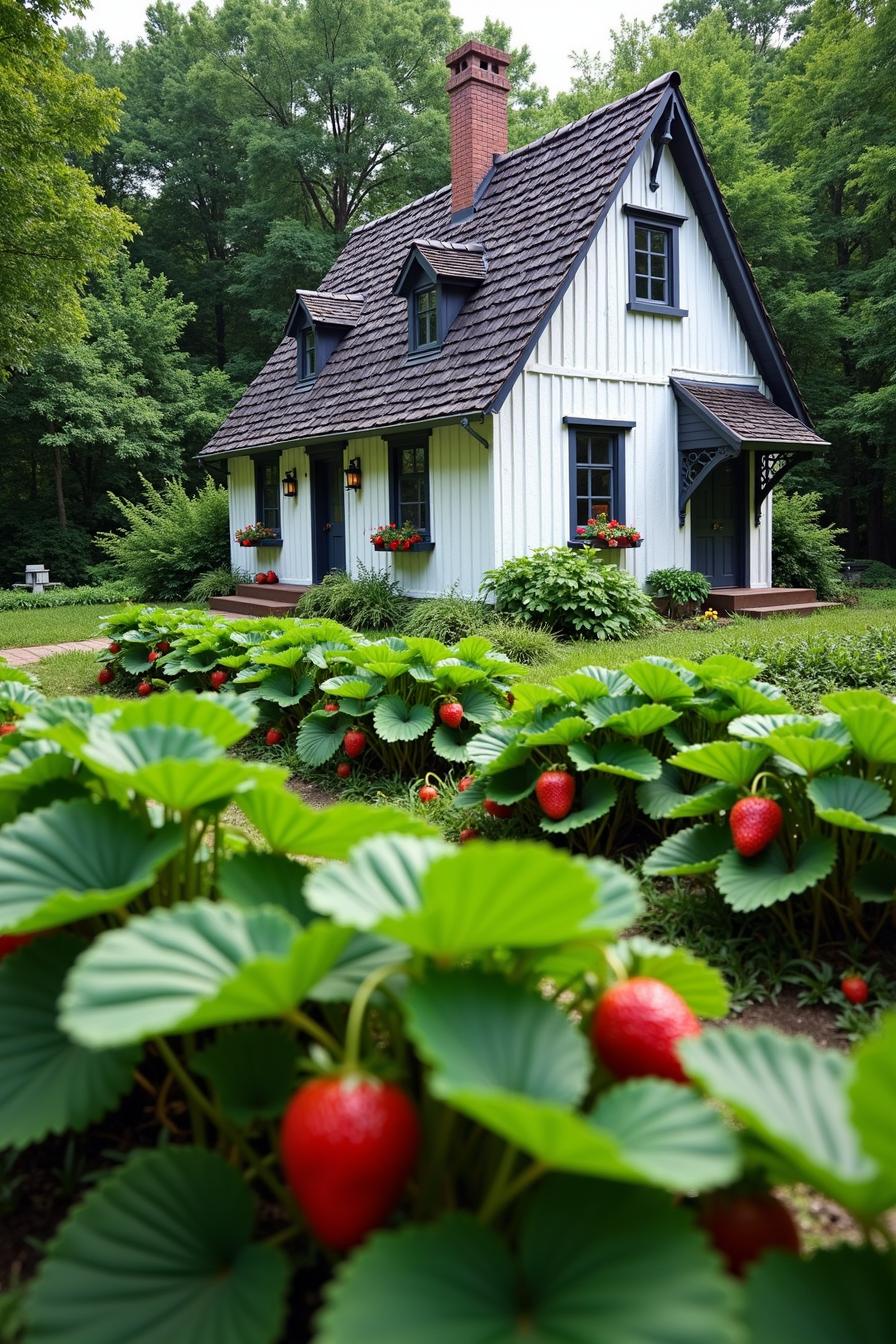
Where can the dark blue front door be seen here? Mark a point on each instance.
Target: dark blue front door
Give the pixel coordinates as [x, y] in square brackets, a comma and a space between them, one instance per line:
[718, 526]
[327, 515]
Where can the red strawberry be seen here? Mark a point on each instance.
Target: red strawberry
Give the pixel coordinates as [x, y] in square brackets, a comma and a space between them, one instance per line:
[10, 942]
[555, 791]
[261, 578]
[331, 707]
[744, 1224]
[7, 728]
[354, 743]
[754, 822]
[145, 688]
[153, 655]
[427, 794]
[468, 833]
[343, 770]
[114, 648]
[218, 678]
[271, 577]
[501, 810]
[348, 1147]
[452, 714]
[466, 783]
[637, 1026]
[105, 675]
[163, 646]
[855, 988]
[273, 736]
[510, 698]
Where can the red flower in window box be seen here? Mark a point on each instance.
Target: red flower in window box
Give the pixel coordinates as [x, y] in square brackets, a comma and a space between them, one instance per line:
[391, 537]
[610, 533]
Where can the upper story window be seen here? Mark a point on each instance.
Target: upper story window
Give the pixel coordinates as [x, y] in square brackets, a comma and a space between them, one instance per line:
[653, 265]
[308, 355]
[426, 318]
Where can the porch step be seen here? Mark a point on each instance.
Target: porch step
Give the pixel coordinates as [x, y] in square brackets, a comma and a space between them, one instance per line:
[274, 592]
[251, 606]
[726, 601]
[790, 609]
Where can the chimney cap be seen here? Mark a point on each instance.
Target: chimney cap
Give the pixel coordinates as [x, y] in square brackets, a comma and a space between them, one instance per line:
[477, 55]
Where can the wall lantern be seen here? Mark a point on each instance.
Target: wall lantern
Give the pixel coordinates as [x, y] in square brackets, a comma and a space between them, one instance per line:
[353, 474]
[290, 485]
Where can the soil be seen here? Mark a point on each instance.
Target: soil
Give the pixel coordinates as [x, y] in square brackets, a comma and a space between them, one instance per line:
[312, 794]
[817, 1022]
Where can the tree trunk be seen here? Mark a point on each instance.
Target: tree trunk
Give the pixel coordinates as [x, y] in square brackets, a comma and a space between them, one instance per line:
[60, 493]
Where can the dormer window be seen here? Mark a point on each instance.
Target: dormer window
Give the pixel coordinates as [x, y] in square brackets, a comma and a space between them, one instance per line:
[426, 317]
[437, 279]
[308, 355]
[319, 322]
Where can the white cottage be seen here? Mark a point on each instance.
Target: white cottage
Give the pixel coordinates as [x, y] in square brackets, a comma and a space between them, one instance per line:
[564, 330]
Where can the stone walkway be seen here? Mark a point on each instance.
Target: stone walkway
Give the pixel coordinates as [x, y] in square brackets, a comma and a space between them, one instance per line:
[22, 657]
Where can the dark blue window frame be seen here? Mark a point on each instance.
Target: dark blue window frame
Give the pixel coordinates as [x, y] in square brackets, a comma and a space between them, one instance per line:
[425, 323]
[596, 472]
[410, 495]
[307, 355]
[651, 266]
[267, 490]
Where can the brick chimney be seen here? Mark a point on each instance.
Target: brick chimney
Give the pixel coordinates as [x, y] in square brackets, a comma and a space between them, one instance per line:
[478, 89]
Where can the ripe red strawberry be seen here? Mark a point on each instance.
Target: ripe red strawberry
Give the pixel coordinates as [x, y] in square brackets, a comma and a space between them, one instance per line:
[105, 675]
[273, 736]
[555, 791]
[348, 1147]
[163, 646]
[500, 810]
[114, 648]
[10, 942]
[271, 577]
[754, 822]
[855, 988]
[261, 578]
[468, 833]
[427, 794]
[637, 1026]
[452, 714]
[218, 678]
[744, 1224]
[466, 783]
[343, 770]
[6, 729]
[152, 655]
[331, 707]
[145, 688]
[354, 743]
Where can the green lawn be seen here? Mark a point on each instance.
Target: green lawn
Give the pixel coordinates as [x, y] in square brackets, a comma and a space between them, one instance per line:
[53, 625]
[67, 674]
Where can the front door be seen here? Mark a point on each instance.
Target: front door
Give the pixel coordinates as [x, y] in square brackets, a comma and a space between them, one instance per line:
[718, 532]
[327, 514]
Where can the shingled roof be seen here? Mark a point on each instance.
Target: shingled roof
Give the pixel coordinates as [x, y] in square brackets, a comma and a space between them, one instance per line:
[453, 261]
[335, 310]
[743, 415]
[535, 214]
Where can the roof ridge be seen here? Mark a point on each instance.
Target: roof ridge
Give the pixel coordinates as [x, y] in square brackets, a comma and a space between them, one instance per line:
[356, 296]
[448, 244]
[370, 223]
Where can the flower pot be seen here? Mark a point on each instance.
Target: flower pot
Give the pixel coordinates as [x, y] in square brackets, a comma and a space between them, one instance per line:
[404, 550]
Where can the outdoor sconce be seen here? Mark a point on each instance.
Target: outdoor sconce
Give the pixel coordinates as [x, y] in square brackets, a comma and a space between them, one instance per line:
[290, 485]
[353, 474]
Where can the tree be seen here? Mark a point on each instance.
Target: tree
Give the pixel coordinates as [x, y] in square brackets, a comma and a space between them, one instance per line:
[54, 228]
[763, 22]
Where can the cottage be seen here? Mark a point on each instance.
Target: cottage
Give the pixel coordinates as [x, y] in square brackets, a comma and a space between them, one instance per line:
[564, 330]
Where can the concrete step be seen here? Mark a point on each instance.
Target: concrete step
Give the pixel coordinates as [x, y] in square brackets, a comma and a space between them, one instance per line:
[787, 609]
[251, 606]
[728, 600]
[276, 592]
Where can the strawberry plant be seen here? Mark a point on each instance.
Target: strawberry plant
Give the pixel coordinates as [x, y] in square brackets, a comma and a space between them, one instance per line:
[388, 1108]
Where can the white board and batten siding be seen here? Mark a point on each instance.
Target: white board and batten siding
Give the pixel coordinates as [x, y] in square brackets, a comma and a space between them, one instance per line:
[462, 515]
[596, 360]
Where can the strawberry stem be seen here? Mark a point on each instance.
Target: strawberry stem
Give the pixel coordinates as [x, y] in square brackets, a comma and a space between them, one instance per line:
[367, 988]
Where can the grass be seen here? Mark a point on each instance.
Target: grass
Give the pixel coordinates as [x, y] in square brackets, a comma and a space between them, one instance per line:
[51, 625]
[66, 674]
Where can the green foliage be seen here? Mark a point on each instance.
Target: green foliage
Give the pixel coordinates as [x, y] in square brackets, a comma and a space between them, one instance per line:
[807, 668]
[217, 583]
[448, 618]
[521, 643]
[571, 593]
[19, 599]
[683, 590]
[878, 575]
[171, 536]
[805, 553]
[371, 601]
[65, 551]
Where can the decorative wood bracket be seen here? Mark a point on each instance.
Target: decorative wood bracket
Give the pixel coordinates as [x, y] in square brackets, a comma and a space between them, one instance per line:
[768, 469]
[694, 465]
[663, 138]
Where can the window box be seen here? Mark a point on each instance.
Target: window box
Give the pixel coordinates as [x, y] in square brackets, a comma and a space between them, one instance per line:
[265, 541]
[401, 550]
[621, 545]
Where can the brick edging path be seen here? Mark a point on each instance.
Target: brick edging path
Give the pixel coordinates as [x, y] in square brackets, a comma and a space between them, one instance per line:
[23, 657]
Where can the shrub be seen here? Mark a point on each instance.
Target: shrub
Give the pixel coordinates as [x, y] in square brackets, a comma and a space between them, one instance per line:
[118, 590]
[171, 538]
[572, 1196]
[805, 553]
[522, 643]
[878, 575]
[65, 551]
[371, 601]
[572, 593]
[682, 590]
[807, 668]
[449, 618]
[217, 583]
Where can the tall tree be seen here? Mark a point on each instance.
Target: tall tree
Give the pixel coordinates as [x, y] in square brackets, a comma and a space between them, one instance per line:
[54, 228]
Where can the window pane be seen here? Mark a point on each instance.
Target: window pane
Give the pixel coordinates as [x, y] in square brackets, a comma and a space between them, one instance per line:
[640, 238]
[640, 263]
[642, 287]
[657, 240]
[659, 266]
[583, 481]
[658, 291]
[600, 484]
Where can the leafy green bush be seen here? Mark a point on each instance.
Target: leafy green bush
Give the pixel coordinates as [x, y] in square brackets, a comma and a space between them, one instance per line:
[572, 593]
[64, 551]
[521, 643]
[682, 590]
[171, 538]
[807, 668]
[805, 553]
[449, 618]
[218, 583]
[372, 601]
[530, 1183]
[878, 575]
[117, 590]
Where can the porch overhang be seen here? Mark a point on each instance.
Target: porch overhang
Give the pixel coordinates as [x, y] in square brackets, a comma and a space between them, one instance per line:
[720, 421]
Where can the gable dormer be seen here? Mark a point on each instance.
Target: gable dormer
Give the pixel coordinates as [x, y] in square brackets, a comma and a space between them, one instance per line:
[318, 321]
[436, 280]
